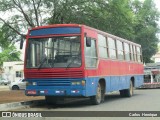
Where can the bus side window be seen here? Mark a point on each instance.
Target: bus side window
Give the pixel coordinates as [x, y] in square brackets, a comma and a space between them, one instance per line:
[88, 41]
[135, 53]
[91, 54]
[102, 45]
[139, 54]
[120, 50]
[134, 56]
[112, 48]
[127, 52]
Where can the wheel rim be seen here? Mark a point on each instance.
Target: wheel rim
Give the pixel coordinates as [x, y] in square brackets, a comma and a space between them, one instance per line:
[15, 88]
[98, 96]
[131, 89]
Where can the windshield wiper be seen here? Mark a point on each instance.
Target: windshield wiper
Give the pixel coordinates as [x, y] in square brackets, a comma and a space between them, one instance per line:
[42, 62]
[72, 61]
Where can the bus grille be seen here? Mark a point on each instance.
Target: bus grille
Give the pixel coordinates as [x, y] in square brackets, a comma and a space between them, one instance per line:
[66, 74]
[55, 82]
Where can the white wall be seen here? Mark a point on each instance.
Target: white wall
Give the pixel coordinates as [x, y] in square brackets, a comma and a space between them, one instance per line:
[157, 60]
[10, 69]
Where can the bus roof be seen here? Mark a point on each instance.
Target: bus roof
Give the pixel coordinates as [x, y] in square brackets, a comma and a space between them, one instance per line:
[113, 36]
[87, 27]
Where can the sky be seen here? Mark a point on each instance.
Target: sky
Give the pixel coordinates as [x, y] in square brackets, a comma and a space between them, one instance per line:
[157, 2]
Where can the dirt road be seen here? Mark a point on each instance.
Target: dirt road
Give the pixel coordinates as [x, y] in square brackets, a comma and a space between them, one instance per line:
[15, 96]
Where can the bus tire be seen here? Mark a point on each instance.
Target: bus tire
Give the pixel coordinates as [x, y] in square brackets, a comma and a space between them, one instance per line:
[51, 100]
[127, 92]
[95, 100]
[122, 93]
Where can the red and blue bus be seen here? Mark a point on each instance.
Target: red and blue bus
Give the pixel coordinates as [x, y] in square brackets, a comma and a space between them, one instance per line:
[72, 60]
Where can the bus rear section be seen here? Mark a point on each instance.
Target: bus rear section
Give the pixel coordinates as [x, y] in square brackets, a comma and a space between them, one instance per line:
[70, 60]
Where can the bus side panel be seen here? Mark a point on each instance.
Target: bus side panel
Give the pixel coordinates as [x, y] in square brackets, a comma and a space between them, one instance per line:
[139, 80]
[108, 83]
[119, 83]
[122, 83]
[91, 85]
[113, 83]
[122, 68]
[104, 68]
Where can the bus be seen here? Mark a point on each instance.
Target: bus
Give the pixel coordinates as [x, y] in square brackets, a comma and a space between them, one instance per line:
[73, 60]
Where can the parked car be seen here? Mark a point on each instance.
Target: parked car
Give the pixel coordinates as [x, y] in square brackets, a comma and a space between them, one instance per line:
[4, 81]
[1, 82]
[18, 85]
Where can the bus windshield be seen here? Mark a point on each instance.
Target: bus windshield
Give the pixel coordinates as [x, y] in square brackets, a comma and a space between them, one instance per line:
[55, 52]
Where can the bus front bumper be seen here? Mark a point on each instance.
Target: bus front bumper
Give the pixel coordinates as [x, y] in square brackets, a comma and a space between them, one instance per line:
[55, 91]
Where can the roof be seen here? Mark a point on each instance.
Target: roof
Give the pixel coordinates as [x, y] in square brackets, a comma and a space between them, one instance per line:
[80, 25]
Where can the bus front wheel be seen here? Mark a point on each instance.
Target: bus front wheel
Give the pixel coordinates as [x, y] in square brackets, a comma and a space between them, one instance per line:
[51, 100]
[98, 97]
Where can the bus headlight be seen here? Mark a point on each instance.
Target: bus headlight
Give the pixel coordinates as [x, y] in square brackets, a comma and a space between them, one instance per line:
[30, 83]
[34, 83]
[83, 82]
[76, 83]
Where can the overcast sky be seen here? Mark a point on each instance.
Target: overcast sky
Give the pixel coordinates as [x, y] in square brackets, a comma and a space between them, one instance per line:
[157, 2]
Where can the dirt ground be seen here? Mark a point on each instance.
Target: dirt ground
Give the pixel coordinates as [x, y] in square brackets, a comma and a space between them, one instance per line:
[16, 96]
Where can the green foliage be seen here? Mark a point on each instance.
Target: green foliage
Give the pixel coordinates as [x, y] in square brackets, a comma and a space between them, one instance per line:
[130, 19]
[8, 55]
[7, 36]
[9, 52]
[145, 27]
[113, 16]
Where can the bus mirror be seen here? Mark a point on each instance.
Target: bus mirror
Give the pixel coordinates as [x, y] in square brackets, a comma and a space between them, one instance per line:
[21, 44]
[88, 41]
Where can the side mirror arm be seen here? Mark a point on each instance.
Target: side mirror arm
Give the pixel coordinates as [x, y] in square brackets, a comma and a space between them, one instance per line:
[21, 44]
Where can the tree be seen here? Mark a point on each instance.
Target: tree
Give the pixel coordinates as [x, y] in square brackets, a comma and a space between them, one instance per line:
[113, 16]
[129, 19]
[145, 27]
[24, 14]
[9, 52]
[107, 15]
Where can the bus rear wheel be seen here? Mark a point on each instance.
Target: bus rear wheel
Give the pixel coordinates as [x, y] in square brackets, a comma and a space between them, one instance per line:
[98, 97]
[127, 92]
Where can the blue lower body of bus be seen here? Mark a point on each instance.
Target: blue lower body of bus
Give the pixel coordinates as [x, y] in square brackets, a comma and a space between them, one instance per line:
[80, 87]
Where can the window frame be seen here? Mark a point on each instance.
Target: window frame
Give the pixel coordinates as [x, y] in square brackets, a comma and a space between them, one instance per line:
[127, 52]
[139, 54]
[104, 47]
[122, 50]
[113, 49]
[19, 74]
[90, 57]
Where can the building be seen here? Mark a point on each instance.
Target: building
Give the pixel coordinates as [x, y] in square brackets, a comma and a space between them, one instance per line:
[13, 71]
[156, 58]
